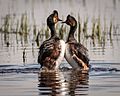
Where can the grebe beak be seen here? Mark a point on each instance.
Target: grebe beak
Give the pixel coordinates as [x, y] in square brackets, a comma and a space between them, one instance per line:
[59, 19]
[64, 21]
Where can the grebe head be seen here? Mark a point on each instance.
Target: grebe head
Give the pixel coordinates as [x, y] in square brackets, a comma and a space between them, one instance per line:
[71, 21]
[53, 18]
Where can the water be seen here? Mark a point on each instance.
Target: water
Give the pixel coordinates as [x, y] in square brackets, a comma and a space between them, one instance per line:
[28, 82]
[20, 74]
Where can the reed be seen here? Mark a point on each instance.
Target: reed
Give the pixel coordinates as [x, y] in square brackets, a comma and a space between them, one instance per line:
[7, 23]
[79, 28]
[24, 55]
[17, 30]
[98, 30]
[85, 25]
[6, 29]
[61, 32]
[38, 39]
[104, 33]
[110, 32]
[22, 30]
[93, 31]
[26, 29]
[47, 35]
[34, 31]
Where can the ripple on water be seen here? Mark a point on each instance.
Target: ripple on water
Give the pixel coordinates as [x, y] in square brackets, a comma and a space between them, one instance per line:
[63, 83]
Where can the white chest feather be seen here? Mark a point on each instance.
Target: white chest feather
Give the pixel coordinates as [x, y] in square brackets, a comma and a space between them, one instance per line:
[69, 57]
[61, 57]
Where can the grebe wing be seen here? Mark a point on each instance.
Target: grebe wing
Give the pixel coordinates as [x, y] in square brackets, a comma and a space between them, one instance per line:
[80, 51]
[49, 51]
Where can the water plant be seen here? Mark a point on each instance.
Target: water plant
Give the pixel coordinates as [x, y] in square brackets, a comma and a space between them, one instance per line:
[104, 33]
[37, 39]
[98, 30]
[6, 29]
[110, 32]
[61, 32]
[34, 30]
[47, 33]
[24, 28]
[93, 31]
[7, 23]
[17, 30]
[85, 25]
[24, 55]
[22, 31]
[79, 28]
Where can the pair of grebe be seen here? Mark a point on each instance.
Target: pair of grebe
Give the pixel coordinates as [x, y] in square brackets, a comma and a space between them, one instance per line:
[53, 50]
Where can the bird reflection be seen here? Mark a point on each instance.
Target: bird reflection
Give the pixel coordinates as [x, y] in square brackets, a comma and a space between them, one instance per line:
[65, 83]
[78, 83]
[51, 83]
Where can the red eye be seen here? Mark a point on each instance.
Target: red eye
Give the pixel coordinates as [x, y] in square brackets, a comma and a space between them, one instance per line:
[55, 19]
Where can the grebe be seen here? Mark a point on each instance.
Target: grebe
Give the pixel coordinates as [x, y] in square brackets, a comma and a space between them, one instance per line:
[51, 51]
[75, 53]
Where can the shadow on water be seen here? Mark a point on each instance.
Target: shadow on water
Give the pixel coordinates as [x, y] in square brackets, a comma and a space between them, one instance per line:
[63, 83]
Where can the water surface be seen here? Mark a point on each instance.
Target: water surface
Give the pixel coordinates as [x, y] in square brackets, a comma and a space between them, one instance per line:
[20, 74]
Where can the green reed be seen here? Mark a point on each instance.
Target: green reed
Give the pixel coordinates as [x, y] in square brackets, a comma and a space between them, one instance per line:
[98, 30]
[21, 29]
[104, 33]
[110, 32]
[37, 39]
[79, 28]
[6, 29]
[97, 34]
[61, 32]
[24, 55]
[34, 30]
[7, 23]
[85, 25]
[47, 35]
[17, 30]
[93, 31]
[24, 28]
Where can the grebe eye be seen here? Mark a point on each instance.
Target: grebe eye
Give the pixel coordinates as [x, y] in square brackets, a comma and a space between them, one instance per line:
[55, 19]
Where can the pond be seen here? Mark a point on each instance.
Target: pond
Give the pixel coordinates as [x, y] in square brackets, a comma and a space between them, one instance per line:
[23, 28]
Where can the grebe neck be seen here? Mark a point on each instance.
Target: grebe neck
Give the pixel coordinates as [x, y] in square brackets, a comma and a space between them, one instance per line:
[53, 31]
[71, 33]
